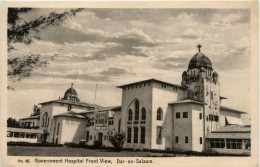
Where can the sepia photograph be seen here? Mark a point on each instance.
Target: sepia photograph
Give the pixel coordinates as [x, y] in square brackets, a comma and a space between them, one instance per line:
[85, 84]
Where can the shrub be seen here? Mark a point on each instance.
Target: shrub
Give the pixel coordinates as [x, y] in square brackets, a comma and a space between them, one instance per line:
[117, 139]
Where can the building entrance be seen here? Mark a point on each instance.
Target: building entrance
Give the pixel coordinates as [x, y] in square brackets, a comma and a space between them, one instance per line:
[100, 137]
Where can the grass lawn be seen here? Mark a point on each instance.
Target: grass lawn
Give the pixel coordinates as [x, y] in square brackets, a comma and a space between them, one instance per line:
[77, 152]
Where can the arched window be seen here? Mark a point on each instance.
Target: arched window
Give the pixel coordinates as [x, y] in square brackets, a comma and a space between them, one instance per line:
[130, 115]
[143, 113]
[136, 110]
[159, 113]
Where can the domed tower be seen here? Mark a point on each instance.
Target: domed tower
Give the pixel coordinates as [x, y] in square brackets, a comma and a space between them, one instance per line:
[199, 67]
[202, 85]
[71, 94]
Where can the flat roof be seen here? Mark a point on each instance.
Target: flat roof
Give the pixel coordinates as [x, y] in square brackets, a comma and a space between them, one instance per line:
[187, 101]
[70, 114]
[114, 108]
[229, 135]
[31, 117]
[23, 130]
[74, 103]
[151, 80]
[231, 132]
[233, 129]
[231, 109]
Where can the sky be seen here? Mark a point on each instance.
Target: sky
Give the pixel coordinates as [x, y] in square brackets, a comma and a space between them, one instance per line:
[112, 47]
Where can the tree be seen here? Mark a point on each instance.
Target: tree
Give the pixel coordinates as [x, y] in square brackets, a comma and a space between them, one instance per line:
[117, 139]
[11, 122]
[36, 110]
[25, 32]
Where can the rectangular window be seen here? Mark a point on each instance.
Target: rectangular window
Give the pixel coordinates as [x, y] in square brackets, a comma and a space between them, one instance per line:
[200, 140]
[159, 135]
[200, 115]
[142, 135]
[178, 115]
[90, 137]
[87, 136]
[176, 139]
[216, 118]
[135, 135]
[58, 128]
[217, 143]
[129, 134]
[234, 143]
[185, 114]
[186, 139]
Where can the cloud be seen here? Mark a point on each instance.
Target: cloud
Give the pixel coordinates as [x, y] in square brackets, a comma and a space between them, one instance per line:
[171, 63]
[190, 34]
[101, 76]
[234, 59]
[175, 59]
[115, 71]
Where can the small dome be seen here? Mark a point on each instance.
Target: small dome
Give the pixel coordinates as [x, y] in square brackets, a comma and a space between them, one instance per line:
[200, 60]
[71, 94]
[71, 91]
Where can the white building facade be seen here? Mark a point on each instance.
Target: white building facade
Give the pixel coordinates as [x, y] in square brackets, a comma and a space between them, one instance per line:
[153, 114]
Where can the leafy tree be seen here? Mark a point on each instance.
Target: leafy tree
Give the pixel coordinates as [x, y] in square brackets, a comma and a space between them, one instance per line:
[117, 139]
[25, 32]
[11, 122]
[36, 110]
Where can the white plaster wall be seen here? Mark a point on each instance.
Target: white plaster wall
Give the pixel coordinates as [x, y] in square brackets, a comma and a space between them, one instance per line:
[197, 128]
[73, 132]
[161, 98]
[144, 95]
[182, 127]
[58, 109]
[29, 140]
[47, 108]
